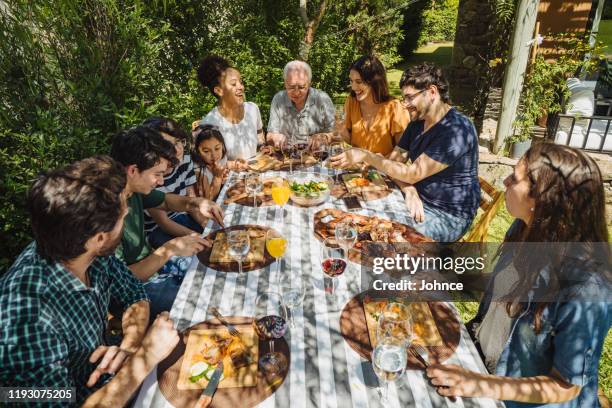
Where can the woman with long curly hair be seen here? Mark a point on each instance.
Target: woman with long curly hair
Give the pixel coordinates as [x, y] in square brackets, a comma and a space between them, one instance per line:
[544, 317]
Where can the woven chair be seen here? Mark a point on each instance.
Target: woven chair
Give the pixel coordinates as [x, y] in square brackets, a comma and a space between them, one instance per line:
[490, 200]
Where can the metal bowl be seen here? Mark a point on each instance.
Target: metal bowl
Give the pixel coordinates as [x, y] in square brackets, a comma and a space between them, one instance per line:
[309, 199]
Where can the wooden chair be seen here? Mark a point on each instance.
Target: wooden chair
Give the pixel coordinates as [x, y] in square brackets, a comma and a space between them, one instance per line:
[490, 200]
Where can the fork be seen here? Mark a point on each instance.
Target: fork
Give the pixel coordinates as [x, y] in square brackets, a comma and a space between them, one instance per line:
[230, 327]
[422, 355]
[418, 355]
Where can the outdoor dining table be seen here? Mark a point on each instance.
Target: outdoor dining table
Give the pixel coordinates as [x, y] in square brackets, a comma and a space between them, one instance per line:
[324, 370]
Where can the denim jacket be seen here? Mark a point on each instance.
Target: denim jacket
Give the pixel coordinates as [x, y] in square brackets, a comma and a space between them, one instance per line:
[570, 340]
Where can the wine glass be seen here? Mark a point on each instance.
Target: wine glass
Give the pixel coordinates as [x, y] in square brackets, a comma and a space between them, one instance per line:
[292, 290]
[389, 360]
[253, 184]
[346, 235]
[334, 150]
[296, 153]
[270, 324]
[238, 245]
[332, 260]
[395, 321]
[321, 152]
[276, 245]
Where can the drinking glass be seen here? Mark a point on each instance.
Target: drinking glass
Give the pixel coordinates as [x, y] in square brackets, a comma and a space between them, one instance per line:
[238, 245]
[334, 150]
[292, 290]
[276, 245]
[332, 260]
[253, 185]
[270, 324]
[346, 235]
[297, 151]
[395, 321]
[280, 194]
[321, 152]
[389, 360]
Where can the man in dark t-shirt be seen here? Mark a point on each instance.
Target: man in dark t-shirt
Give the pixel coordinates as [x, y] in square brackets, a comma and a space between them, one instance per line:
[441, 180]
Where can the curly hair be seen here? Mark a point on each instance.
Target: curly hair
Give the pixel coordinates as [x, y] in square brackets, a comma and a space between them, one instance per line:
[373, 73]
[425, 75]
[143, 147]
[211, 70]
[70, 205]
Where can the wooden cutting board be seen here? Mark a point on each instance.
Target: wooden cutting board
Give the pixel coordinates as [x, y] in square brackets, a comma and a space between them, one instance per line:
[377, 184]
[233, 377]
[369, 229]
[275, 161]
[250, 264]
[424, 327]
[220, 249]
[354, 329]
[168, 371]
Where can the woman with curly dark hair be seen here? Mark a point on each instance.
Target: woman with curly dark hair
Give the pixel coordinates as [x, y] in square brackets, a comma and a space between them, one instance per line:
[544, 317]
[239, 121]
[373, 119]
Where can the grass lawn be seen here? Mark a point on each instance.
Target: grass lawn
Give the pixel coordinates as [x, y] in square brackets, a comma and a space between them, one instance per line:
[439, 53]
[605, 35]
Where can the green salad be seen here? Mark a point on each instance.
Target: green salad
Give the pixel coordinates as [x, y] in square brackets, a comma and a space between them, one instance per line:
[312, 188]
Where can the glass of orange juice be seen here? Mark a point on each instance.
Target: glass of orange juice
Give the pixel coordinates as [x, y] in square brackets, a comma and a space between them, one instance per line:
[276, 245]
[280, 193]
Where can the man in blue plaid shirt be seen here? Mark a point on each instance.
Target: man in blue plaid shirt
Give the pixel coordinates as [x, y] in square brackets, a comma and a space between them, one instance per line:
[54, 299]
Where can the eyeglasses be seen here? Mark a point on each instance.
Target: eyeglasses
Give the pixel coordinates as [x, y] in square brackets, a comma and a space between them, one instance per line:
[296, 88]
[411, 98]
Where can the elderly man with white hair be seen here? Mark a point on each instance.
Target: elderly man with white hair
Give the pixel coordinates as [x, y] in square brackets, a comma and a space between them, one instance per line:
[300, 113]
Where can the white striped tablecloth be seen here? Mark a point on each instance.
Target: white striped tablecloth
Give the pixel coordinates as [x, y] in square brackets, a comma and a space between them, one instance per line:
[324, 370]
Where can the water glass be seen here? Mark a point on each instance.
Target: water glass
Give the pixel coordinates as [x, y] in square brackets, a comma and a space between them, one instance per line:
[253, 185]
[389, 360]
[346, 235]
[292, 286]
[239, 245]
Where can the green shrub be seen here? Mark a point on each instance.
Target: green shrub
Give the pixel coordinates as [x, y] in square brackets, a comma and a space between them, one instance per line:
[439, 22]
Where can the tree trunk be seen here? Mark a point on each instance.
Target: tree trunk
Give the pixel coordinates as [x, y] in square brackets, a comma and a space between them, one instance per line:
[310, 26]
[527, 13]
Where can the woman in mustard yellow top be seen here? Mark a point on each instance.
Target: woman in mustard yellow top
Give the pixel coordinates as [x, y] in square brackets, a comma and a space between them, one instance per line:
[373, 119]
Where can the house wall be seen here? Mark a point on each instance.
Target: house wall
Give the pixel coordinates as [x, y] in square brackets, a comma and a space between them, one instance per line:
[559, 16]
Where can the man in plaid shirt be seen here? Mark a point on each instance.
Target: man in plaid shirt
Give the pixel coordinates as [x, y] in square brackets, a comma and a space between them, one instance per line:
[54, 299]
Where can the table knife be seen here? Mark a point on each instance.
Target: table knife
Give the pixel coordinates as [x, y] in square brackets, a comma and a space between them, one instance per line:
[206, 396]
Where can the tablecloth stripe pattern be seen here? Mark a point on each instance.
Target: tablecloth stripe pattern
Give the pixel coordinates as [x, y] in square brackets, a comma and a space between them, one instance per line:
[324, 370]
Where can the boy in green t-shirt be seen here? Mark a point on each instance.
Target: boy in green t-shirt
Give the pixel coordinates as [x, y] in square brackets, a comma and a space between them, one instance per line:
[146, 155]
